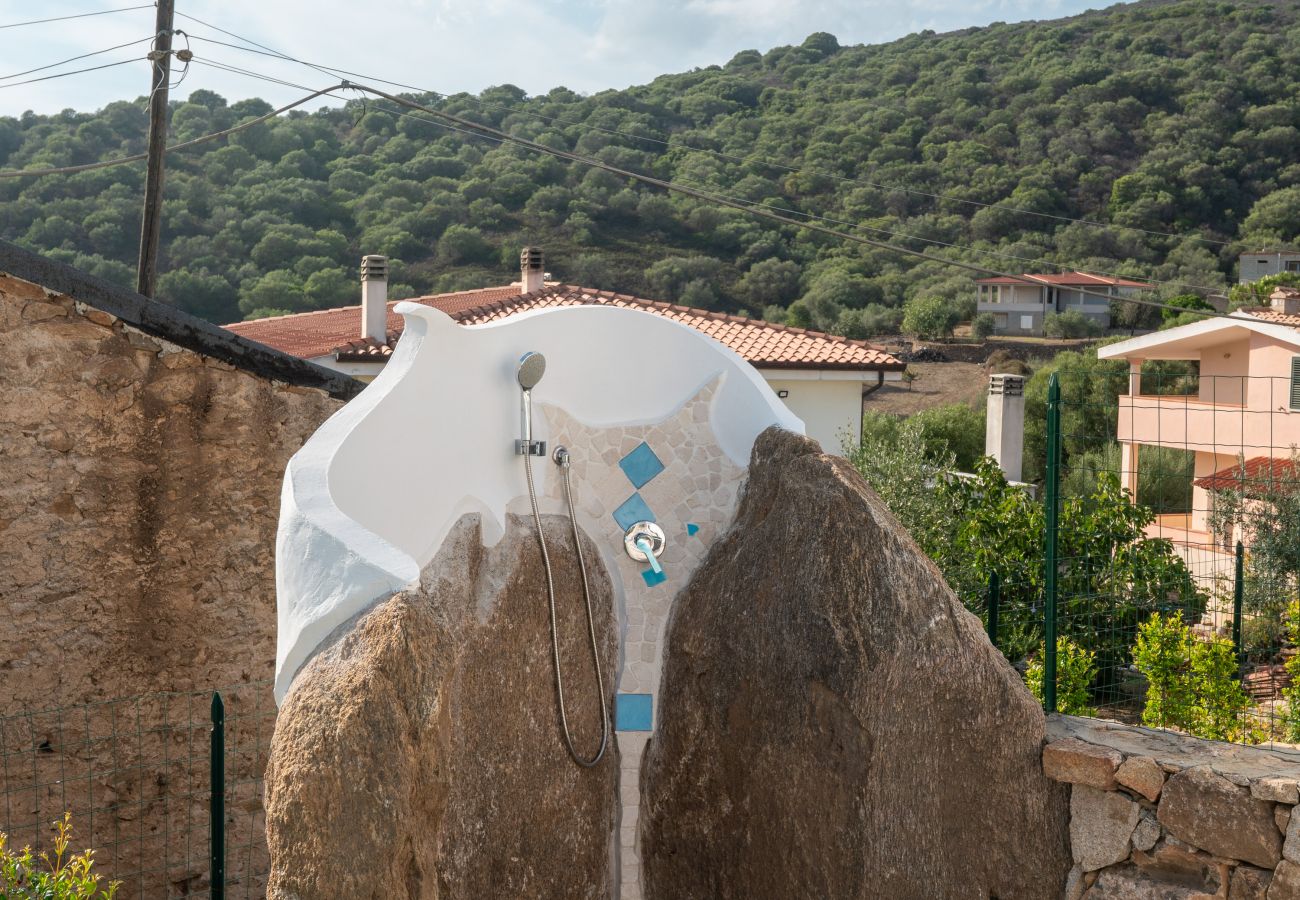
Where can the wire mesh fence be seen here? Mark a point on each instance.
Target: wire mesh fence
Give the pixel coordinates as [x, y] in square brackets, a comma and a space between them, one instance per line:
[1172, 546]
[136, 775]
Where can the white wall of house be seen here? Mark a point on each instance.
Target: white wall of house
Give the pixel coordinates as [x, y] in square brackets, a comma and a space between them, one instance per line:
[1254, 266]
[829, 402]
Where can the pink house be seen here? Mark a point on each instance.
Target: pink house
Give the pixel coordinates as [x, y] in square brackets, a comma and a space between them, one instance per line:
[1246, 412]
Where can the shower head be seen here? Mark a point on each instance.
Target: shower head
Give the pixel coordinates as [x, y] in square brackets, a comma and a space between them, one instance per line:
[532, 366]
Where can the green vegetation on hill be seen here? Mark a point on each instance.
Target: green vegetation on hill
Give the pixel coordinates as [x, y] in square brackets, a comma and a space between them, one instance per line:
[1154, 117]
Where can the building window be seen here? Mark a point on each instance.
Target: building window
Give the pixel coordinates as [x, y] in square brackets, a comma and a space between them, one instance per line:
[1293, 265]
[1295, 382]
[1027, 324]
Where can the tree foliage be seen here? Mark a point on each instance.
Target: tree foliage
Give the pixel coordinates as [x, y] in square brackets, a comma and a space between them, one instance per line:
[1169, 122]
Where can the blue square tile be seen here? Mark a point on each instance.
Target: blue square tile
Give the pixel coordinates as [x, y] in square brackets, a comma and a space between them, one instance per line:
[634, 712]
[641, 465]
[633, 510]
[652, 577]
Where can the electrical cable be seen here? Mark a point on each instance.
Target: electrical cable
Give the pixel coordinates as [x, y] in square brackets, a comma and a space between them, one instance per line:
[102, 12]
[74, 72]
[745, 206]
[75, 58]
[1210, 292]
[203, 139]
[334, 71]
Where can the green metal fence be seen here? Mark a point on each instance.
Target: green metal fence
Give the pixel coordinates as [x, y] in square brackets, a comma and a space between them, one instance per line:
[1171, 549]
[166, 788]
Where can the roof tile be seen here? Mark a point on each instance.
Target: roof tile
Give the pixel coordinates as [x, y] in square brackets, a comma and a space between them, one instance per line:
[762, 344]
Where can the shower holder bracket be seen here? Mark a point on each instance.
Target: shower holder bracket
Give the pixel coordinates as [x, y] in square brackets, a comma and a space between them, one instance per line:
[530, 448]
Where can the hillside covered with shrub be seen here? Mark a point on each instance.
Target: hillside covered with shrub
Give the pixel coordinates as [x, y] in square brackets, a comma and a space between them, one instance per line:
[1175, 123]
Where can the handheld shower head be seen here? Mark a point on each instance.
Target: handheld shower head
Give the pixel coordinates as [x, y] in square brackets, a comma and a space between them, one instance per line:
[532, 366]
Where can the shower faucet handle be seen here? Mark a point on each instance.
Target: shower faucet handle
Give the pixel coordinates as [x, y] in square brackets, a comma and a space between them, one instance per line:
[644, 542]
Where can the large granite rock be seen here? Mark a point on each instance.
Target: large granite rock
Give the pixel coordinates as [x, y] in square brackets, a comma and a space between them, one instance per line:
[419, 754]
[833, 723]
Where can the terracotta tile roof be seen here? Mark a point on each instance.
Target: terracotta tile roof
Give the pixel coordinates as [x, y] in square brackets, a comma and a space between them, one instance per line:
[762, 344]
[1265, 314]
[320, 333]
[1256, 474]
[1069, 279]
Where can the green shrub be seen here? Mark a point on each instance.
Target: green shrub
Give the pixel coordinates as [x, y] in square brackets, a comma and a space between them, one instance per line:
[1076, 669]
[1192, 683]
[930, 317]
[1070, 324]
[24, 876]
[1291, 716]
[982, 326]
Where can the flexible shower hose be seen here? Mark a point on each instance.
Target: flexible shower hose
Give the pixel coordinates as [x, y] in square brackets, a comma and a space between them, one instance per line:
[555, 635]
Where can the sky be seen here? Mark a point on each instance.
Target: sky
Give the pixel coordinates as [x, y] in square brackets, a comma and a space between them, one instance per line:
[446, 45]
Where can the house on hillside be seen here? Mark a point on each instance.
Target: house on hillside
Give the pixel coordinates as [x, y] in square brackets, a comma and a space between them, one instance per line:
[1242, 426]
[820, 377]
[1019, 307]
[1259, 263]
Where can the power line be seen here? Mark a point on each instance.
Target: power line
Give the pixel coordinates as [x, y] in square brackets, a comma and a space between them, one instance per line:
[334, 71]
[1209, 291]
[745, 206]
[75, 58]
[479, 130]
[184, 145]
[102, 12]
[73, 72]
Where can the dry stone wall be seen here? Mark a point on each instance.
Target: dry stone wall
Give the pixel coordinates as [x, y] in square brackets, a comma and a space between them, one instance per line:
[139, 496]
[1156, 815]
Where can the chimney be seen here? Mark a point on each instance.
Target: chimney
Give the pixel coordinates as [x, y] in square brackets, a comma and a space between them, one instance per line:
[530, 267]
[374, 299]
[1004, 426]
[1285, 300]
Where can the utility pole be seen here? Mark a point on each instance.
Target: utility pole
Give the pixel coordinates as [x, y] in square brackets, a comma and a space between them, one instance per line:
[151, 224]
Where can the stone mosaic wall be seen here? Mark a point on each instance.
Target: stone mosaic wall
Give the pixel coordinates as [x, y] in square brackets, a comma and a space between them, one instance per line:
[1155, 814]
[674, 473]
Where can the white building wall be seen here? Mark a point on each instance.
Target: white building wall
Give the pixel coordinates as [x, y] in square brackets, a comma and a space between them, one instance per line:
[1254, 266]
[829, 409]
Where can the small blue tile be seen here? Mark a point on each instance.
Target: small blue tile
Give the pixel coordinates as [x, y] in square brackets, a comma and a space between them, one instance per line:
[634, 712]
[633, 510]
[652, 577]
[641, 465]
[692, 529]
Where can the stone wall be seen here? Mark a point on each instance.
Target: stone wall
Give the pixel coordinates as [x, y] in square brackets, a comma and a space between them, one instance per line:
[139, 496]
[1155, 814]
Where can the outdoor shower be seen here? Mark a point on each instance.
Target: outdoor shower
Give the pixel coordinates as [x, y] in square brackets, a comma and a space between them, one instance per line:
[532, 366]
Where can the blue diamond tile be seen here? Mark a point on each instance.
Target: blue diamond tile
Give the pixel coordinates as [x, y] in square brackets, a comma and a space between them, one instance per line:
[633, 712]
[641, 465]
[633, 510]
[652, 577]
[691, 529]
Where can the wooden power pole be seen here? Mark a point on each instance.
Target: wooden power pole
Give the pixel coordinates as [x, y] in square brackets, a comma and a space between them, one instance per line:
[151, 225]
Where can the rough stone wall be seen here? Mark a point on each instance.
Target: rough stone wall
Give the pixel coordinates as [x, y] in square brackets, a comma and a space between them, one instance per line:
[1156, 814]
[418, 755]
[139, 496]
[833, 722]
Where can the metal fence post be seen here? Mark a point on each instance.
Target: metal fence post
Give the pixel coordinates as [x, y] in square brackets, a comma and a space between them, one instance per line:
[1238, 591]
[994, 599]
[1052, 479]
[217, 801]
